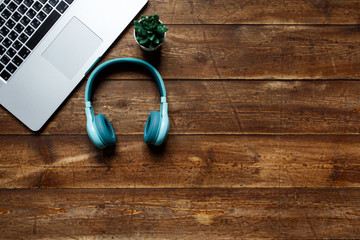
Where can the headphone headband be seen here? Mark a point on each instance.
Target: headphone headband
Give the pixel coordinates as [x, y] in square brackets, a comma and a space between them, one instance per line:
[99, 128]
[139, 62]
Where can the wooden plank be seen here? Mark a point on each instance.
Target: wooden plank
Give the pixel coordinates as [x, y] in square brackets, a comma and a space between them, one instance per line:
[256, 11]
[180, 213]
[183, 162]
[214, 107]
[250, 52]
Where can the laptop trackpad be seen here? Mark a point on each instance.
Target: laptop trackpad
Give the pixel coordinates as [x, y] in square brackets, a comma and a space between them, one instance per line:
[72, 48]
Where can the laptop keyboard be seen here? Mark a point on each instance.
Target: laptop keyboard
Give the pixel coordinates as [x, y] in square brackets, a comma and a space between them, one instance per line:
[23, 23]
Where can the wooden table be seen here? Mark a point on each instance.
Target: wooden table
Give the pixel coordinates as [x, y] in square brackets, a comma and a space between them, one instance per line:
[264, 139]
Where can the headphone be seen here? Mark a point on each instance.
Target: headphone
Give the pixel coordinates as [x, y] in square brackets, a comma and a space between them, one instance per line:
[99, 128]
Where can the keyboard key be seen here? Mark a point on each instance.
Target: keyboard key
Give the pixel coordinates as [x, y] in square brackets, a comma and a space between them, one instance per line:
[23, 38]
[18, 1]
[4, 31]
[10, 24]
[37, 6]
[53, 2]
[31, 13]
[5, 59]
[28, 2]
[2, 21]
[12, 7]
[35, 23]
[1, 67]
[17, 60]
[69, 1]
[62, 7]
[43, 1]
[13, 35]
[19, 28]
[11, 68]
[6, 14]
[17, 45]
[22, 9]
[47, 8]
[5, 75]
[41, 16]
[2, 7]
[11, 52]
[24, 52]
[25, 21]
[16, 16]
[44, 28]
[7, 43]
[29, 30]
[2, 50]
[6, 1]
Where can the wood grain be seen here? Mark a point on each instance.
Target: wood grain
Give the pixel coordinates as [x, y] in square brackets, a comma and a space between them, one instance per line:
[184, 162]
[250, 52]
[214, 107]
[256, 11]
[264, 139]
[155, 213]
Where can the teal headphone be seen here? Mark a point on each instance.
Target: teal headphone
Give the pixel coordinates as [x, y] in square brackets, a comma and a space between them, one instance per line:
[99, 128]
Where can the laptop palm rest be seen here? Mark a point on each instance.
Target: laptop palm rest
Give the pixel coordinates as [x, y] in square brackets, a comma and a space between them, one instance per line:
[70, 50]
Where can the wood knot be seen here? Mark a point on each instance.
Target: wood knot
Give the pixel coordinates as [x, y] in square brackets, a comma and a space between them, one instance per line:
[336, 175]
[207, 217]
[5, 211]
[102, 206]
[321, 4]
[201, 57]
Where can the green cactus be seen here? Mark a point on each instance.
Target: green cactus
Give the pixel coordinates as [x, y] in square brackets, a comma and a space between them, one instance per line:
[149, 31]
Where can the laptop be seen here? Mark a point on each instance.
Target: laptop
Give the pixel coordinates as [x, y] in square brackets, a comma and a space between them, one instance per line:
[48, 46]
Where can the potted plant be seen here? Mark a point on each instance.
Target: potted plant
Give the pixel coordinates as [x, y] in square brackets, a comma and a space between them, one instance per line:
[150, 32]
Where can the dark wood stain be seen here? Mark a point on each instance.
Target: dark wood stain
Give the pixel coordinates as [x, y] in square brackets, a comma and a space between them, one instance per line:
[264, 138]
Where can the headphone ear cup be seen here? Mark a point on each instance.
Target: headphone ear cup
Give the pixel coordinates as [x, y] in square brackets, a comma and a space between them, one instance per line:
[105, 130]
[152, 127]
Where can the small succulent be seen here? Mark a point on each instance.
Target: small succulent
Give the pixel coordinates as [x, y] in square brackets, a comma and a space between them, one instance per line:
[149, 31]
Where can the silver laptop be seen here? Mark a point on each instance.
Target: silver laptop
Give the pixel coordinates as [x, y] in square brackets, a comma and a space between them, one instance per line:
[48, 46]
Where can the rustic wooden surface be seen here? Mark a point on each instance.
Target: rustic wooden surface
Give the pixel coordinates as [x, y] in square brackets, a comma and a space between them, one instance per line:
[264, 105]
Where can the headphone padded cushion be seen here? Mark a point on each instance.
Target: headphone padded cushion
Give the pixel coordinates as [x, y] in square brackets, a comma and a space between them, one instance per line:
[105, 130]
[152, 127]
